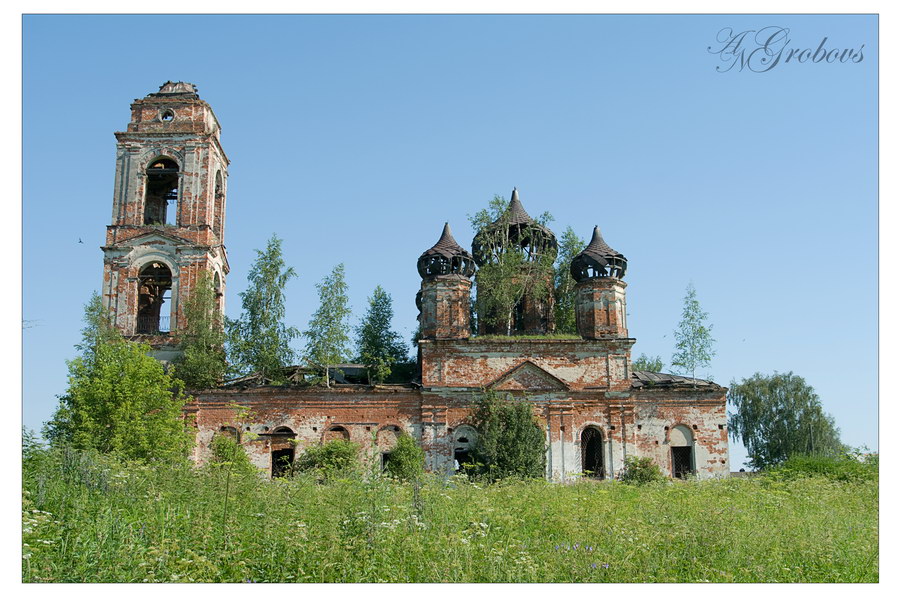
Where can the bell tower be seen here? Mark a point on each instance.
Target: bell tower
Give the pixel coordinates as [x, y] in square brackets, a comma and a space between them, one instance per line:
[168, 215]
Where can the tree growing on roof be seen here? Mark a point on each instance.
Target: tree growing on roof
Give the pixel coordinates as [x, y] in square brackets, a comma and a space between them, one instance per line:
[378, 346]
[693, 337]
[515, 256]
[202, 363]
[647, 363]
[259, 341]
[328, 335]
[570, 245]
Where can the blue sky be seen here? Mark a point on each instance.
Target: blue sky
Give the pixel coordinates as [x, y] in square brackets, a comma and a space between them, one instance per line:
[354, 138]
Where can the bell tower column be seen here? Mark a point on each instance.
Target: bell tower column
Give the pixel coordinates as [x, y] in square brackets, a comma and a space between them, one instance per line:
[168, 215]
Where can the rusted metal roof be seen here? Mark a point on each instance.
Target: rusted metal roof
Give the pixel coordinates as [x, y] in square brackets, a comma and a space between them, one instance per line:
[641, 379]
[176, 88]
[598, 260]
[523, 230]
[447, 245]
[445, 258]
[517, 213]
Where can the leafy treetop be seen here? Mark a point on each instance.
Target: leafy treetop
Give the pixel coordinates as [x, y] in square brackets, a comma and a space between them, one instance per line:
[328, 334]
[570, 245]
[378, 345]
[779, 416]
[259, 341]
[202, 363]
[693, 337]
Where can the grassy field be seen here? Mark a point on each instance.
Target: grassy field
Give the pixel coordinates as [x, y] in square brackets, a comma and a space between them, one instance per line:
[91, 519]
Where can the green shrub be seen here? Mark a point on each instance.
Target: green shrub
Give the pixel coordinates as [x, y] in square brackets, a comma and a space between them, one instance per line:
[641, 470]
[407, 460]
[226, 450]
[510, 442]
[332, 459]
[849, 467]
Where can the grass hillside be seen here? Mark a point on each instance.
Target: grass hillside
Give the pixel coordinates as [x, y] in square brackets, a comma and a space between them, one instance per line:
[92, 519]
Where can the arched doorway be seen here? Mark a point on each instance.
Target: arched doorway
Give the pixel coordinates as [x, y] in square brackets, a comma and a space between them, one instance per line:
[592, 453]
[281, 441]
[386, 442]
[463, 446]
[681, 441]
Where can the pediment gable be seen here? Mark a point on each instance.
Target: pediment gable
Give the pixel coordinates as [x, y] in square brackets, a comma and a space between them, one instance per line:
[154, 238]
[528, 377]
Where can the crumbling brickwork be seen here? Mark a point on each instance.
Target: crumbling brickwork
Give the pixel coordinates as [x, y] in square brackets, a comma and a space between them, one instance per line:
[168, 213]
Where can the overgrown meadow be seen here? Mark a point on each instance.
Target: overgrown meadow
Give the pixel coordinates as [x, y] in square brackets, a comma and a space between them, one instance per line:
[89, 518]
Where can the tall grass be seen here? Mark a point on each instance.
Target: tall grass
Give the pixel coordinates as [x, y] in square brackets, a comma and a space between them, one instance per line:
[87, 518]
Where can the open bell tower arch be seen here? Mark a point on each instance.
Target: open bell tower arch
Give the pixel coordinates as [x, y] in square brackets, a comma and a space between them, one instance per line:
[168, 215]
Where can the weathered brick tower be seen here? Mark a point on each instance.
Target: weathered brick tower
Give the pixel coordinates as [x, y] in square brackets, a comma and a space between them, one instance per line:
[168, 215]
[599, 290]
[446, 270]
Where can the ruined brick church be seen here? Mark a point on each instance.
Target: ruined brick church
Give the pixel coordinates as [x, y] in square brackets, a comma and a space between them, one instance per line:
[168, 225]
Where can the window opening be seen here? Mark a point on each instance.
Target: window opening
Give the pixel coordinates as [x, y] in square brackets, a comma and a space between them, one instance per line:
[337, 433]
[681, 439]
[681, 461]
[161, 203]
[154, 299]
[385, 459]
[282, 460]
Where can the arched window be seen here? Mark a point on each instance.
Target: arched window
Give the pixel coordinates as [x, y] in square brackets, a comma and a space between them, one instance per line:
[592, 453]
[218, 203]
[230, 432]
[337, 433]
[681, 441]
[220, 296]
[161, 197]
[154, 309]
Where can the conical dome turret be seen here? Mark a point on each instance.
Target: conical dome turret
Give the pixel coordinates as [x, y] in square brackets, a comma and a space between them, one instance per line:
[515, 228]
[598, 260]
[446, 258]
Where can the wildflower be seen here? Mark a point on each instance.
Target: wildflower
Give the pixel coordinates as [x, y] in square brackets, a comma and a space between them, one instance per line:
[606, 565]
[593, 565]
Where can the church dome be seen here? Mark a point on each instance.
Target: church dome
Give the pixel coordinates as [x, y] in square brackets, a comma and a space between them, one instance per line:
[520, 229]
[445, 258]
[598, 260]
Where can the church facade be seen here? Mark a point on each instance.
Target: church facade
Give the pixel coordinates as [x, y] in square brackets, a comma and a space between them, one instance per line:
[168, 225]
